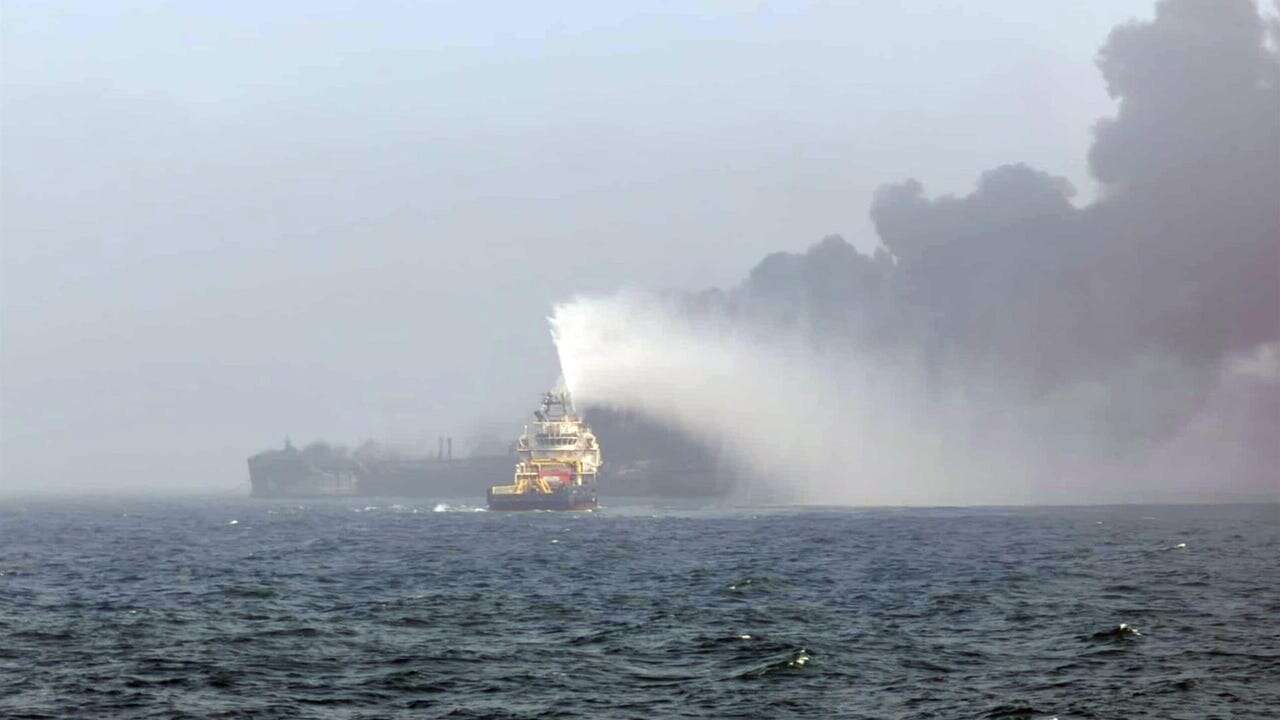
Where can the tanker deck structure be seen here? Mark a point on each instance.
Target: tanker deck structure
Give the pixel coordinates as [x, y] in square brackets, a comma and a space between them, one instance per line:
[558, 460]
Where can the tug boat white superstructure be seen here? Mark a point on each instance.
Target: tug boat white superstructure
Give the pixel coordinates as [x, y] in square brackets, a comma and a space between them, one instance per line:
[558, 462]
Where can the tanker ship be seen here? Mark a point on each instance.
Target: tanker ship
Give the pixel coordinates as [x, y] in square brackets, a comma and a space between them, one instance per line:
[558, 459]
[373, 470]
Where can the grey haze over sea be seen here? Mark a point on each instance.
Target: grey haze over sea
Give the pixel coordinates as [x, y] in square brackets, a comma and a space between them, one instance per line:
[223, 608]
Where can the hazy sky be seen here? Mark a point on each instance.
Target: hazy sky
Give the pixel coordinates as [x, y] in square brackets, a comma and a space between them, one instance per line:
[224, 223]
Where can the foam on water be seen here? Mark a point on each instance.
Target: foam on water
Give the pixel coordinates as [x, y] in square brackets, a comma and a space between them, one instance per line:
[446, 507]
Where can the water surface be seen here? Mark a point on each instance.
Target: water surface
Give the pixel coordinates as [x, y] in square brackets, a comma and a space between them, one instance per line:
[359, 608]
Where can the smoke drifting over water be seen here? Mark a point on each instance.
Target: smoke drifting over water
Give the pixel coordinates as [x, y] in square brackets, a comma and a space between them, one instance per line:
[801, 427]
[813, 427]
[1009, 346]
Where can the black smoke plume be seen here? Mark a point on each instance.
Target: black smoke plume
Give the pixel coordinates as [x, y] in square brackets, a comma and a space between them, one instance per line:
[1138, 331]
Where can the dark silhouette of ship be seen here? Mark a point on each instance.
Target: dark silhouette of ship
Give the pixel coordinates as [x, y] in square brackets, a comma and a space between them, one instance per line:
[647, 458]
[321, 470]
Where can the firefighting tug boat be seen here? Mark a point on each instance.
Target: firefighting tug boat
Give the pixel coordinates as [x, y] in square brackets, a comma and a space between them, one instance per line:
[558, 460]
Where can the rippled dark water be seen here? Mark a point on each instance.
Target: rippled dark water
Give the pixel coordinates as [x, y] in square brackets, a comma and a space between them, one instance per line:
[218, 608]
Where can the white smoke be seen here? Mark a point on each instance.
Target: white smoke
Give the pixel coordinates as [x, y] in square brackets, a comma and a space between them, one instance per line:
[807, 429]
[844, 428]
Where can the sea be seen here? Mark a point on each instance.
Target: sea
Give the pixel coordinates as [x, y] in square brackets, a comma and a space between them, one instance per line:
[358, 608]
